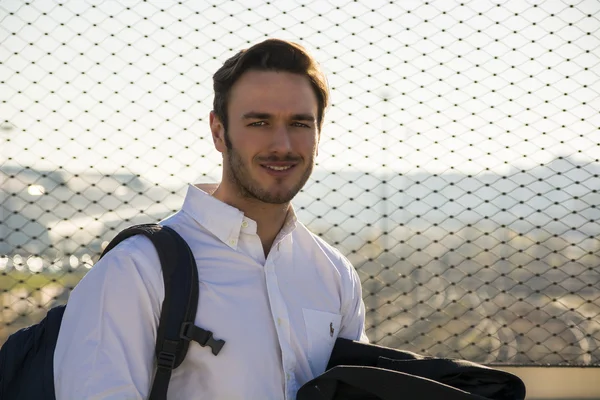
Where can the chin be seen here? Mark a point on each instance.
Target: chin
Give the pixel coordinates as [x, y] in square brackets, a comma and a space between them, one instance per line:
[278, 196]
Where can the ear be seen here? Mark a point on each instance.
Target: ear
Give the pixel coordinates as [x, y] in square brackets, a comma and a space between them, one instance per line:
[218, 132]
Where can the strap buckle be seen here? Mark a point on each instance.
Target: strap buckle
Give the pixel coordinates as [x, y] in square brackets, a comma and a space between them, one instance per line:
[201, 336]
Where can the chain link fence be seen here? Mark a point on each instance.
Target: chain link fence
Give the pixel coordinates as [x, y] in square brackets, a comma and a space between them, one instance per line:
[458, 167]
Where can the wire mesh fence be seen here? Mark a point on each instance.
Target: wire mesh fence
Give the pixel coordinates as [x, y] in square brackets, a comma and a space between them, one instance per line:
[458, 166]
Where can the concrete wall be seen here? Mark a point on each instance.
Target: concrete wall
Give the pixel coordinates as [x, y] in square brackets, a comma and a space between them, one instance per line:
[559, 382]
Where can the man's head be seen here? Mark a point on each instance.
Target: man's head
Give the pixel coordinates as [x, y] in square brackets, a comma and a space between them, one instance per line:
[268, 112]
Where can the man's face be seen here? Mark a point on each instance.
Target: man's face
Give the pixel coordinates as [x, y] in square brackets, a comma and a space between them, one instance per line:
[272, 136]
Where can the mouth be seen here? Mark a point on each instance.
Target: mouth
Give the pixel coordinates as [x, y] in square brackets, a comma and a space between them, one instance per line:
[278, 169]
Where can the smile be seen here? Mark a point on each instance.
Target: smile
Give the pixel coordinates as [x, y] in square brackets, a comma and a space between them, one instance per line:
[279, 169]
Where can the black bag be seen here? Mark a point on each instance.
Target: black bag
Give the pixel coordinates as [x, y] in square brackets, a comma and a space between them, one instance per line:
[362, 371]
[27, 357]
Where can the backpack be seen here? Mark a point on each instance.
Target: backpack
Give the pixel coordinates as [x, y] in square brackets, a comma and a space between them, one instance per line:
[27, 357]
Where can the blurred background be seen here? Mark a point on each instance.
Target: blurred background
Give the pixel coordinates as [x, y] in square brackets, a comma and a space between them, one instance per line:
[458, 168]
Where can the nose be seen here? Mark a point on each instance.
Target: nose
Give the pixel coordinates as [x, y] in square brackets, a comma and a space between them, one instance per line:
[281, 141]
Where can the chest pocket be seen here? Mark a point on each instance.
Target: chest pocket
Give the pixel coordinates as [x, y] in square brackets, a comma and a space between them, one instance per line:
[322, 329]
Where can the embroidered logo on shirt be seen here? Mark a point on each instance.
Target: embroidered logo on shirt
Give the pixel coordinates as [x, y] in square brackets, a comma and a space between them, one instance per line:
[331, 330]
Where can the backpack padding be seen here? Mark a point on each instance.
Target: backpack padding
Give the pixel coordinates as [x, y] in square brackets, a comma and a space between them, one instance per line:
[30, 351]
[180, 276]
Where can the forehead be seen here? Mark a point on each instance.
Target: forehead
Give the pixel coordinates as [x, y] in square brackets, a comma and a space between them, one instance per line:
[273, 92]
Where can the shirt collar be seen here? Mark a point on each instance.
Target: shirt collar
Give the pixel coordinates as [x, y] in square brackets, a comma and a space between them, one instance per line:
[288, 227]
[290, 222]
[221, 219]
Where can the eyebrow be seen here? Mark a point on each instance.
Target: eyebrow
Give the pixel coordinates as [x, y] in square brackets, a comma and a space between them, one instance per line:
[263, 115]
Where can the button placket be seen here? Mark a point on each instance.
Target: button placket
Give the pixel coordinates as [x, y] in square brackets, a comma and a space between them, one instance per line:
[280, 317]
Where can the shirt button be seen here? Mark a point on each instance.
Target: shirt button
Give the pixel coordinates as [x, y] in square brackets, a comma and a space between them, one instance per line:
[232, 242]
[245, 224]
[279, 321]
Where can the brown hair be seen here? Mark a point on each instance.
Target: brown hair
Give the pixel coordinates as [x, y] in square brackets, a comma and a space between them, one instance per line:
[269, 55]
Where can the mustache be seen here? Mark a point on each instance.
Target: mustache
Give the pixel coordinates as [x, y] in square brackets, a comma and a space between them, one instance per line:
[274, 158]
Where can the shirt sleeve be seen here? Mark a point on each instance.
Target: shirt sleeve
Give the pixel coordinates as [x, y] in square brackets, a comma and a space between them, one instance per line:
[353, 312]
[105, 348]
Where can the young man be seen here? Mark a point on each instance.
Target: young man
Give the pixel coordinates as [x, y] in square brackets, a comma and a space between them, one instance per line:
[277, 294]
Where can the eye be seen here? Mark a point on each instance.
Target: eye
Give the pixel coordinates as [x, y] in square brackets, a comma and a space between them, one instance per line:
[257, 123]
[300, 125]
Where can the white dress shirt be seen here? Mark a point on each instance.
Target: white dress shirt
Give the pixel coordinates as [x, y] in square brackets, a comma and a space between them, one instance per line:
[278, 315]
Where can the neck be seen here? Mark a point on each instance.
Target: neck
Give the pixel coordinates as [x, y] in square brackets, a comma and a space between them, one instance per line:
[269, 218]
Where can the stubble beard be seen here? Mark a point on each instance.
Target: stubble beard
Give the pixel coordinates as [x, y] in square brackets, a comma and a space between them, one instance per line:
[249, 188]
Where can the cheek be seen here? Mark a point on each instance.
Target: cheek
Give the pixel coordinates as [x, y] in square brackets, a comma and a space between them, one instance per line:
[245, 143]
[307, 144]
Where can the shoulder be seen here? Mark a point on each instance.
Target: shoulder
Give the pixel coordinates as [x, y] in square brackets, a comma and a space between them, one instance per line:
[136, 249]
[133, 259]
[139, 250]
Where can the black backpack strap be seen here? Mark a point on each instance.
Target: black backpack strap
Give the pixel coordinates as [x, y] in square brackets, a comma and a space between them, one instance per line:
[176, 327]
